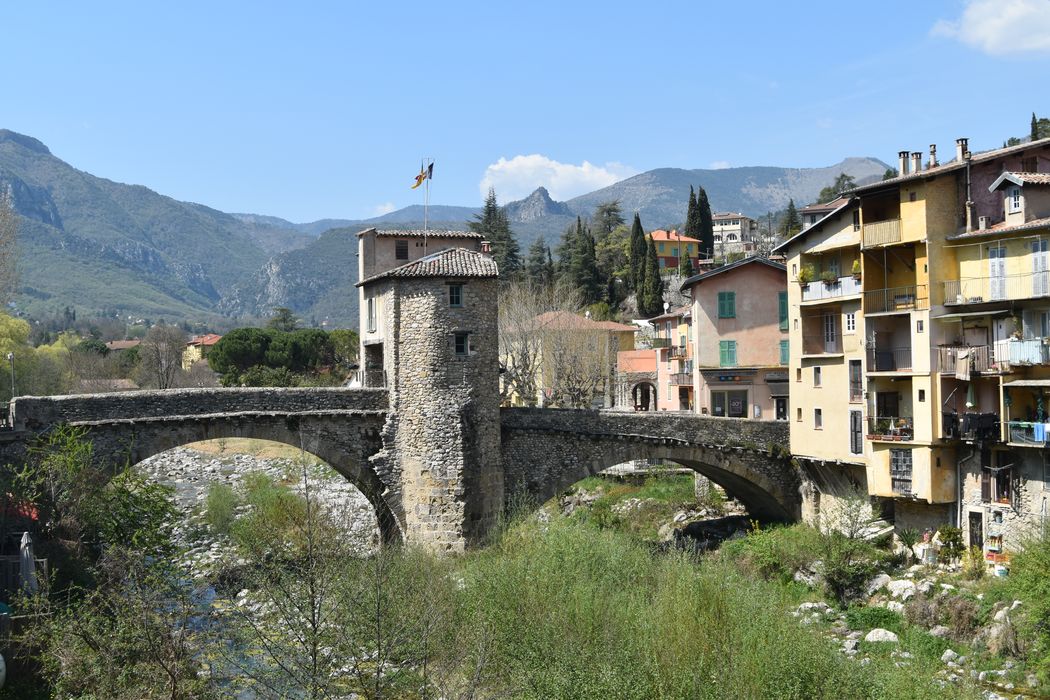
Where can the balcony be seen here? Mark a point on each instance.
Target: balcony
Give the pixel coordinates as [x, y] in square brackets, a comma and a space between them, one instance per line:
[824, 344]
[971, 427]
[819, 291]
[659, 343]
[891, 428]
[1014, 352]
[682, 379]
[1030, 434]
[979, 357]
[892, 299]
[889, 359]
[978, 290]
[678, 352]
[882, 233]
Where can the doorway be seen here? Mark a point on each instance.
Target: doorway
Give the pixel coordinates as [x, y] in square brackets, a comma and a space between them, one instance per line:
[976, 528]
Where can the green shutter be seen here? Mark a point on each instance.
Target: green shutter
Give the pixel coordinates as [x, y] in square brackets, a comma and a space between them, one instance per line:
[727, 305]
[783, 298]
[785, 354]
[732, 352]
[727, 353]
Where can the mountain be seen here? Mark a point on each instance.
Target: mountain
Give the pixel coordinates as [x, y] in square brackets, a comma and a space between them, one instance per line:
[99, 245]
[535, 207]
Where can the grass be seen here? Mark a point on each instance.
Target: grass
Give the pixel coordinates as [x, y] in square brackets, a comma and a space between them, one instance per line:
[263, 449]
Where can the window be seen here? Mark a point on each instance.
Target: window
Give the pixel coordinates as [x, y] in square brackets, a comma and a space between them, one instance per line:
[856, 432]
[922, 395]
[856, 220]
[818, 419]
[727, 305]
[798, 374]
[661, 247]
[462, 343]
[663, 263]
[851, 322]
[455, 295]
[997, 481]
[785, 352]
[729, 404]
[798, 415]
[782, 300]
[900, 472]
[796, 324]
[727, 353]
[913, 196]
[794, 270]
[371, 315]
[856, 382]
[816, 376]
[401, 250]
[674, 252]
[1015, 199]
[920, 326]
[731, 237]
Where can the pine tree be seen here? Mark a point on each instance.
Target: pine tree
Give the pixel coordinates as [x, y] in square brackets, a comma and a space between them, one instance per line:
[792, 222]
[583, 266]
[707, 225]
[687, 267]
[538, 265]
[492, 223]
[651, 296]
[1035, 128]
[607, 216]
[636, 254]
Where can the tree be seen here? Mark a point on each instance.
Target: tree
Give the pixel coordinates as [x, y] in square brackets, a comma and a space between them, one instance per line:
[792, 222]
[636, 253]
[651, 296]
[8, 248]
[707, 225]
[1034, 128]
[583, 265]
[238, 350]
[607, 217]
[687, 267]
[539, 268]
[692, 217]
[345, 346]
[842, 183]
[492, 223]
[890, 174]
[283, 320]
[161, 356]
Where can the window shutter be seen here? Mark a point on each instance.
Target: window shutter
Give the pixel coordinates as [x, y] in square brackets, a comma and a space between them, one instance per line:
[783, 299]
[986, 485]
[731, 352]
[723, 353]
[785, 354]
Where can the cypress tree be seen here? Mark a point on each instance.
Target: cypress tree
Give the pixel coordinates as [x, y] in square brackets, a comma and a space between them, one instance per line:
[1035, 128]
[492, 223]
[583, 268]
[792, 221]
[687, 267]
[707, 225]
[636, 254]
[651, 298]
[538, 265]
[692, 216]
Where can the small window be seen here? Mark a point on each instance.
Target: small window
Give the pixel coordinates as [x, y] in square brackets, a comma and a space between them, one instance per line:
[913, 196]
[900, 472]
[920, 326]
[727, 353]
[794, 270]
[785, 352]
[798, 415]
[455, 295]
[727, 305]
[856, 220]
[796, 324]
[816, 376]
[462, 343]
[661, 247]
[922, 395]
[798, 374]
[401, 250]
[818, 419]
[1015, 199]
[851, 322]
[371, 315]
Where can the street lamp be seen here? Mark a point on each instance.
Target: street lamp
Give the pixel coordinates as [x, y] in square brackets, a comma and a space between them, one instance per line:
[11, 361]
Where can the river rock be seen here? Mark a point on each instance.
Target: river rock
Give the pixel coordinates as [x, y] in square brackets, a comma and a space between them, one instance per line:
[880, 635]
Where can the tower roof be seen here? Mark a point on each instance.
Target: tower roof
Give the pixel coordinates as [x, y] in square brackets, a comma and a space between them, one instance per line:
[453, 262]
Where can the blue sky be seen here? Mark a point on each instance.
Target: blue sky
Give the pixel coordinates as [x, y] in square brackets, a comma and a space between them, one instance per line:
[316, 110]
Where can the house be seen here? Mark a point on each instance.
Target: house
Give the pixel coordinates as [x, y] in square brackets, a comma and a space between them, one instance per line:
[813, 213]
[673, 347]
[636, 379]
[119, 345]
[740, 335]
[197, 349]
[734, 233]
[673, 247]
[924, 376]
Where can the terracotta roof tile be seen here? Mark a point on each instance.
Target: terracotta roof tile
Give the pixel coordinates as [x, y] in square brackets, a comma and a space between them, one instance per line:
[673, 236]
[454, 262]
[420, 233]
[1001, 228]
[564, 320]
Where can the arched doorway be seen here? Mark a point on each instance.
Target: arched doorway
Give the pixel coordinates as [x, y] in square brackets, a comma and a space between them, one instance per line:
[643, 396]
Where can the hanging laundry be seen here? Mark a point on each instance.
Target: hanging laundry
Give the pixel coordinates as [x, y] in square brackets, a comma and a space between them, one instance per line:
[962, 364]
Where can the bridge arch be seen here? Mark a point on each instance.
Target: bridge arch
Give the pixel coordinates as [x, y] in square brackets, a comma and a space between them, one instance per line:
[545, 453]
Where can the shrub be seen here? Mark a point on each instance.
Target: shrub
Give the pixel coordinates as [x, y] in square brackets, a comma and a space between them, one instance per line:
[220, 508]
[775, 553]
[867, 618]
[963, 617]
[848, 566]
[922, 611]
[973, 566]
[1030, 581]
[951, 542]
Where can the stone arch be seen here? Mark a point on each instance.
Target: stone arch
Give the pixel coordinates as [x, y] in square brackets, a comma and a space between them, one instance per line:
[345, 448]
[643, 396]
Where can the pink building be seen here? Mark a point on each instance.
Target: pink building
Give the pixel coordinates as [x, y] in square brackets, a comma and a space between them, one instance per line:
[740, 337]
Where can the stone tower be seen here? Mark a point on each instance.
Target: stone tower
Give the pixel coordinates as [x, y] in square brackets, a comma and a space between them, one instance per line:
[429, 334]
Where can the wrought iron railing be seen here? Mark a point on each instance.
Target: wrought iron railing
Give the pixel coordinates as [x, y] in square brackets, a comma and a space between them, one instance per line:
[977, 290]
[891, 428]
[882, 359]
[910, 298]
[659, 343]
[682, 379]
[980, 358]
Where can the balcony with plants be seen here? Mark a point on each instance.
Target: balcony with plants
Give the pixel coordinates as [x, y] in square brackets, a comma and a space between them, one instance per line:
[1028, 420]
[831, 275]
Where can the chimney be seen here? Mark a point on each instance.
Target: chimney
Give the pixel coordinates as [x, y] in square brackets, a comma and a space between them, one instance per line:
[961, 149]
[916, 161]
[982, 223]
[486, 247]
[902, 163]
[933, 155]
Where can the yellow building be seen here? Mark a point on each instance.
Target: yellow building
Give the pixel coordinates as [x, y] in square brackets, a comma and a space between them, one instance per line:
[912, 308]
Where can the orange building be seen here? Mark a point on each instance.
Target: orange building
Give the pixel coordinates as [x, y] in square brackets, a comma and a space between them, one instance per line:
[672, 247]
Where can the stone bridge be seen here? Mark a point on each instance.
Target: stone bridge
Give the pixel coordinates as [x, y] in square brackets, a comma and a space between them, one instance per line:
[543, 451]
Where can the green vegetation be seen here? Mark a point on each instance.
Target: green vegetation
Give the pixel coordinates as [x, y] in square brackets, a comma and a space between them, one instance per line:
[220, 508]
[842, 183]
[493, 224]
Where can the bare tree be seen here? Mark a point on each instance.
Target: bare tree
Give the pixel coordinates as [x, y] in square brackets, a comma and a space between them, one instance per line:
[8, 248]
[161, 356]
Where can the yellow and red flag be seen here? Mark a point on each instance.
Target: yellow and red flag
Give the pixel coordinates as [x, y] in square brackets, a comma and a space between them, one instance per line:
[425, 173]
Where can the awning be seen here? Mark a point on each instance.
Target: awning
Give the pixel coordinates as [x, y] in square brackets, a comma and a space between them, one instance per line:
[1019, 383]
[777, 389]
[970, 314]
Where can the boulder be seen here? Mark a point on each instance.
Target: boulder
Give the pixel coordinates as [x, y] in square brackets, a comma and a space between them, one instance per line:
[876, 584]
[901, 588]
[880, 635]
[949, 655]
[940, 631]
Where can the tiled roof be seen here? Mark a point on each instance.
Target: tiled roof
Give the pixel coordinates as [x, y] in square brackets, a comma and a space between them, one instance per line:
[1020, 178]
[420, 233]
[696, 279]
[826, 206]
[122, 344]
[564, 320]
[953, 165]
[673, 236]
[1000, 229]
[730, 215]
[454, 262]
[844, 202]
[208, 339]
[673, 312]
[1035, 178]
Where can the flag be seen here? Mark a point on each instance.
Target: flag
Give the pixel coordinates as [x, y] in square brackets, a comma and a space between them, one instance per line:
[425, 173]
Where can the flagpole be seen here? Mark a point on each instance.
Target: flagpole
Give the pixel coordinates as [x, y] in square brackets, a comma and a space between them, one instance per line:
[426, 220]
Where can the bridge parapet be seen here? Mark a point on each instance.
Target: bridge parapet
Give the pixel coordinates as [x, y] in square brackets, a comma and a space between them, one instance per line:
[39, 412]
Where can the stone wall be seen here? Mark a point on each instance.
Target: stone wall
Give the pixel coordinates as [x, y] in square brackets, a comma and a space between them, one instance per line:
[1028, 507]
[37, 413]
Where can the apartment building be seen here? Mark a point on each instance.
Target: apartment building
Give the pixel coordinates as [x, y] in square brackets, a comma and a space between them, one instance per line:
[673, 344]
[673, 247]
[734, 233]
[919, 310]
[740, 339]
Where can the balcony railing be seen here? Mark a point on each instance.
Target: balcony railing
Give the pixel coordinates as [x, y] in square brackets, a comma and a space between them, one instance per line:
[891, 428]
[1025, 433]
[822, 344]
[913, 298]
[677, 352]
[682, 379]
[889, 359]
[980, 357]
[659, 343]
[970, 426]
[819, 290]
[882, 233]
[1016, 352]
[977, 290]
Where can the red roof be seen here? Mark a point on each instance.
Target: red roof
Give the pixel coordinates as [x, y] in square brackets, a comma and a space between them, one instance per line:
[122, 344]
[673, 236]
[208, 339]
[566, 320]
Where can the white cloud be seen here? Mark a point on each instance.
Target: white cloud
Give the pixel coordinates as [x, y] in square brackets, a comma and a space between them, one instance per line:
[518, 177]
[719, 165]
[1000, 27]
[384, 208]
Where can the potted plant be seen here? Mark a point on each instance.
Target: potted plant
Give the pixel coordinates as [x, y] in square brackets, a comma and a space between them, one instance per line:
[829, 277]
[856, 270]
[805, 275]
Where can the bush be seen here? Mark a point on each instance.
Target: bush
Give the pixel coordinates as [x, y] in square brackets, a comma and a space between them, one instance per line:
[1030, 581]
[220, 508]
[848, 566]
[951, 542]
[963, 617]
[973, 565]
[775, 553]
[922, 611]
[865, 618]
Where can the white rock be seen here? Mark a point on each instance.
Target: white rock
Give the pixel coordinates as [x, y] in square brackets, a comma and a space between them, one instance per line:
[1002, 616]
[880, 635]
[949, 655]
[940, 631]
[895, 606]
[901, 588]
[876, 584]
